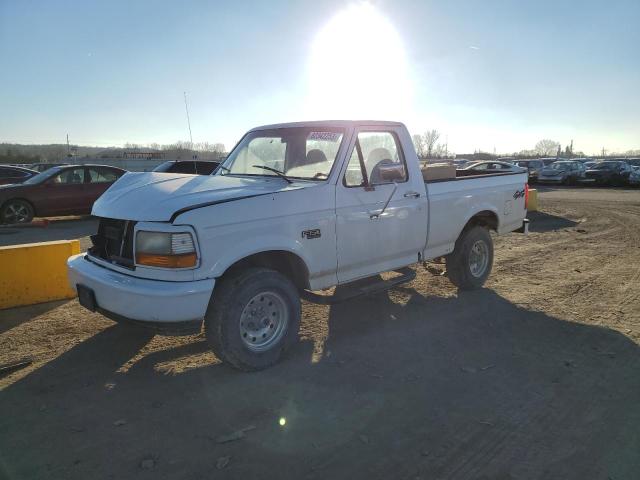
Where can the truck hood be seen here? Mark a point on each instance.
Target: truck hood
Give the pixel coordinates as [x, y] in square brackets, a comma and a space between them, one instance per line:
[156, 197]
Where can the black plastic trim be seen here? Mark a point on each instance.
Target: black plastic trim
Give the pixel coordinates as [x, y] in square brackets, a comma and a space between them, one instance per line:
[215, 202]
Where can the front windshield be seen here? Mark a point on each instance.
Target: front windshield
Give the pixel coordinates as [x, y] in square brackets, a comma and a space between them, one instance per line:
[298, 152]
[559, 166]
[42, 176]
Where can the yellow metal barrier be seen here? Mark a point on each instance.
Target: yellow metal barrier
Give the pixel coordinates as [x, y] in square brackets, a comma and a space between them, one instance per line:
[532, 206]
[35, 272]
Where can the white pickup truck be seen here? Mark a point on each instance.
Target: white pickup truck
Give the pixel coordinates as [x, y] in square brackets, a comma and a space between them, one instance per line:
[294, 209]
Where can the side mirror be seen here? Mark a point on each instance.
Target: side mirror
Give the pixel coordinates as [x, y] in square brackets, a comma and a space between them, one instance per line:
[392, 173]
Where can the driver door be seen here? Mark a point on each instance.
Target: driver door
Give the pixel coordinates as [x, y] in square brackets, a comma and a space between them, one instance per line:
[369, 240]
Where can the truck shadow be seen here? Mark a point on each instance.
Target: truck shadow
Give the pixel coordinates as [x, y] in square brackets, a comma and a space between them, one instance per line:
[546, 222]
[395, 385]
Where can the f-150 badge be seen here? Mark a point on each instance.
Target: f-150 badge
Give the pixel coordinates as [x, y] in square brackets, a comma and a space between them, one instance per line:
[310, 234]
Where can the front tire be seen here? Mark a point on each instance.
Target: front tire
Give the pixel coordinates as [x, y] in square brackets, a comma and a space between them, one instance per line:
[16, 211]
[253, 318]
[469, 265]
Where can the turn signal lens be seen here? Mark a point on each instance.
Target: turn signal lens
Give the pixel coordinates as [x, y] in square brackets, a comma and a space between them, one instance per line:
[167, 261]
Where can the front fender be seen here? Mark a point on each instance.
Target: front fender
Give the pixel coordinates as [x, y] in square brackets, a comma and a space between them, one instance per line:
[251, 246]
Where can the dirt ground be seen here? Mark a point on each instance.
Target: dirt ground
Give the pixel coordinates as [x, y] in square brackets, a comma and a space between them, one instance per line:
[535, 376]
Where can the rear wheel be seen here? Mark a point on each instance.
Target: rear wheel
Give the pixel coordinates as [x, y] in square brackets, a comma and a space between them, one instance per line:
[469, 265]
[253, 318]
[16, 211]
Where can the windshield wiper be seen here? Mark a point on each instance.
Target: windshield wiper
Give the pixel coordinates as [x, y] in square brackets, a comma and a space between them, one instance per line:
[277, 172]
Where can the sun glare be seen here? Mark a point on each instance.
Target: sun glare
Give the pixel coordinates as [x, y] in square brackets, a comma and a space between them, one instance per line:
[358, 68]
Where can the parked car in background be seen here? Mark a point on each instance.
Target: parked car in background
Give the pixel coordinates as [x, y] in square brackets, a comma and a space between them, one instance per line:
[43, 167]
[495, 166]
[634, 176]
[461, 162]
[194, 167]
[68, 190]
[614, 172]
[534, 168]
[634, 162]
[10, 174]
[548, 160]
[590, 164]
[563, 172]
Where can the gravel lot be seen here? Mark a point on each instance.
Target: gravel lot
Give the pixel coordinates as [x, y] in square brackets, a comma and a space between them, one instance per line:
[535, 376]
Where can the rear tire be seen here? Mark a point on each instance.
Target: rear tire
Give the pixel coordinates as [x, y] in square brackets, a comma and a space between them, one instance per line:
[469, 265]
[16, 211]
[253, 318]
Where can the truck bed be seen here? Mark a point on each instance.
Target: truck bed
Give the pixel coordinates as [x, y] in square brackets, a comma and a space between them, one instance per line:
[453, 201]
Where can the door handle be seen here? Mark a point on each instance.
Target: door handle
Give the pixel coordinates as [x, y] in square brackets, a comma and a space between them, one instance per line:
[412, 195]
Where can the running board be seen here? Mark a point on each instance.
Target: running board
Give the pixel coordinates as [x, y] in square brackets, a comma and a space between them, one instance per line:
[406, 276]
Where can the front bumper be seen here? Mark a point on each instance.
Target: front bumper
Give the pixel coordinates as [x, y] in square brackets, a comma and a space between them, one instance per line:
[153, 303]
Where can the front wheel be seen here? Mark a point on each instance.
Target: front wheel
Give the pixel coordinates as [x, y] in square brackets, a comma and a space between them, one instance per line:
[253, 318]
[469, 265]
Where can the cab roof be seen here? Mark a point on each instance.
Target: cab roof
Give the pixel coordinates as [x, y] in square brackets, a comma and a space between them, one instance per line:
[331, 123]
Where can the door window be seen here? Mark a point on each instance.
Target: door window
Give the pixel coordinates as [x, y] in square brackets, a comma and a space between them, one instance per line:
[374, 151]
[102, 175]
[72, 176]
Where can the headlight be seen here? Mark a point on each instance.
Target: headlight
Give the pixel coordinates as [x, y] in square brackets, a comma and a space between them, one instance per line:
[166, 250]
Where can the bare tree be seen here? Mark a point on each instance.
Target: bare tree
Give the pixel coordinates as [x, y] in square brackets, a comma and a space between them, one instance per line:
[430, 139]
[546, 147]
[418, 143]
[218, 148]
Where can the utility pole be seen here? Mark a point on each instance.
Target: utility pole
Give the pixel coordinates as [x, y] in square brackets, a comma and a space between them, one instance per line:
[188, 121]
[68, 151]
[571, 148]
[603, 151]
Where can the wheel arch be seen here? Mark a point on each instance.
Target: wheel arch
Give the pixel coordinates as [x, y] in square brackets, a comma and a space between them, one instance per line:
[285, 262]
[484, 218]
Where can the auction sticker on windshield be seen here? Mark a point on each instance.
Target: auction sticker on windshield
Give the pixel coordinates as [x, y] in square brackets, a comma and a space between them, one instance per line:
[326, 136]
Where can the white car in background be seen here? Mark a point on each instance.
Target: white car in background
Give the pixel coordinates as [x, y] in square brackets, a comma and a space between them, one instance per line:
[495, 167]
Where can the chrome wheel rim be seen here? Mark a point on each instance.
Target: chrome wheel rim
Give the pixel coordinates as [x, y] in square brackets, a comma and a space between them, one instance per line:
[263, 321]
[16, 213]
[479, 258]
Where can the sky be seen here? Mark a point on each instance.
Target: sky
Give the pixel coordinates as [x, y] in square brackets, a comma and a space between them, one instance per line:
[489, 75]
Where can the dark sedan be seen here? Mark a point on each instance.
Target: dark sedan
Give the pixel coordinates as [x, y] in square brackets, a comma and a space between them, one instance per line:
[610, 173]
[11, 174]
[193, 167]
[68, 190]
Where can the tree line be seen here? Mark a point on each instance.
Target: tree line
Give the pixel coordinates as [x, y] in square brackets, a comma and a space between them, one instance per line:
[427, 145]
[16, 153]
